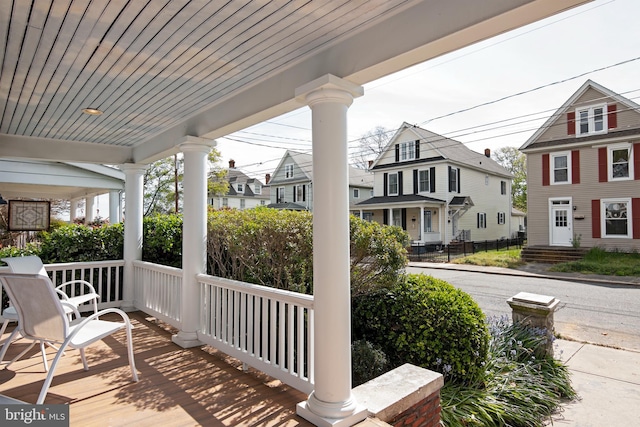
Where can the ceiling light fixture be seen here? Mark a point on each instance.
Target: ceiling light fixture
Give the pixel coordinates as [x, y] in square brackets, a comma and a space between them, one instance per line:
[92, 111]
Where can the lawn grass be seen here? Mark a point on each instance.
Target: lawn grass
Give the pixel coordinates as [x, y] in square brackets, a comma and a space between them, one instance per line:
[599, 261]
[501, 258]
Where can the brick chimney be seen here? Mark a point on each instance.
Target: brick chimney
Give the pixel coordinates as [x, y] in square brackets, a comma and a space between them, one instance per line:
[267, 178]
[232, 164]
[487, 152]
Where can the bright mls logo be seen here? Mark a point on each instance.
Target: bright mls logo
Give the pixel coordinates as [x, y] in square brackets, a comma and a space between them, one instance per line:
[34, 415]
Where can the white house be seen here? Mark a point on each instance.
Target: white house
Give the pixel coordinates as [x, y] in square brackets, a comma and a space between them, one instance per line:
[292, 183]
[438, 190]
[244, 192]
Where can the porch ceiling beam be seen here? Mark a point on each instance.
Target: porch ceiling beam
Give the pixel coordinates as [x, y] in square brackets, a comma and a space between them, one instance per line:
[14, 146]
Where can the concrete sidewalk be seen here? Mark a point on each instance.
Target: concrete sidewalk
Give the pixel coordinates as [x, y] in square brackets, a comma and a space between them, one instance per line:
[606, 379]
[608, 382]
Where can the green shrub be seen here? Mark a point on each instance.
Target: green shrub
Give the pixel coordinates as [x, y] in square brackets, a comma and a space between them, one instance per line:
[426, 322]
[378, 255]
[264, 246]
[367, 362]
[81, 243]
[162, 240]
[275, 248]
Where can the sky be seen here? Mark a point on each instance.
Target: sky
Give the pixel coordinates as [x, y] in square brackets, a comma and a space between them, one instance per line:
[492, 94]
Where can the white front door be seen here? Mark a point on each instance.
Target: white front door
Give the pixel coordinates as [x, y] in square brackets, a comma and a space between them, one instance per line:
[560, 222]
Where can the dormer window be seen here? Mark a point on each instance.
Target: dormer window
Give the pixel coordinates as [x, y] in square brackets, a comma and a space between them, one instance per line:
[406, 151]
[288, 170]
[257, 188]
[240, 188]
[591, 120]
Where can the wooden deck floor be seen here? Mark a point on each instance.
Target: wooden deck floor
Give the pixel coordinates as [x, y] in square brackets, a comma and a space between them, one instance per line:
[177, 387]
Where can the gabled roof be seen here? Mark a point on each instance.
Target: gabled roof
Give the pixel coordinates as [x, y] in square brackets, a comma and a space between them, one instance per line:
[235, 176]
[447, 148]
[569, 103]
[304, 161]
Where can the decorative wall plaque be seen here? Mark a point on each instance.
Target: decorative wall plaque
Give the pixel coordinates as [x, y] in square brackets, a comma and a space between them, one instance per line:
[27, 215]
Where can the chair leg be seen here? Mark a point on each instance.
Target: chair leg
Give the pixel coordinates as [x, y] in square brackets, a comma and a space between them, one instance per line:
[8, 342]
[21, 354]
[4, 326]
[49, 378]
[132, 362]
[44, 356]
[84, 359]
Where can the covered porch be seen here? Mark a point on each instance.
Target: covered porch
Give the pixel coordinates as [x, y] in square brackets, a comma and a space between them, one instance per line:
[127, 83]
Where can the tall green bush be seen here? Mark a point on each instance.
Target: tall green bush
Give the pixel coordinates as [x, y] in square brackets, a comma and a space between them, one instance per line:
[81, 243]
[275, 248]
[426, 322]
[162, 240]
[264, 246]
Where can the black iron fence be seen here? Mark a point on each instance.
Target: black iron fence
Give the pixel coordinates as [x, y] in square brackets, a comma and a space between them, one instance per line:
[429, 252]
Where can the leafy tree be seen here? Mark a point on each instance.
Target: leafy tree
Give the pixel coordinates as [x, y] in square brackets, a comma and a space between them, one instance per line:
[370, 146]
[515, 162]
[163, 183]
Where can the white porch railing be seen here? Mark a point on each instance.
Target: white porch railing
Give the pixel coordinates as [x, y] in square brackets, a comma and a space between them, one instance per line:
[158, 291]
[269, 329]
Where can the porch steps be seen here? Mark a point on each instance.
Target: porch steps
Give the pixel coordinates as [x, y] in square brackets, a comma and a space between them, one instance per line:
[552, 254]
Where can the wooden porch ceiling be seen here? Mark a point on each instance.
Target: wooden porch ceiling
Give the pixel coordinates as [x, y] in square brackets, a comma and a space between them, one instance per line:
[162, 70]
[177, 387]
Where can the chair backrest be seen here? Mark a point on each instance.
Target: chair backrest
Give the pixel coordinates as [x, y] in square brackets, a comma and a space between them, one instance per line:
[40, 312]
[31, 264]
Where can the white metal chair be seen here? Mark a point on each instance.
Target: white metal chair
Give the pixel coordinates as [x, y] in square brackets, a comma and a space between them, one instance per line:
[43, 318]
[33, 265]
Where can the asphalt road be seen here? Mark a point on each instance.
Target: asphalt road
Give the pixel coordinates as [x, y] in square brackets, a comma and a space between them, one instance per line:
[601, 314]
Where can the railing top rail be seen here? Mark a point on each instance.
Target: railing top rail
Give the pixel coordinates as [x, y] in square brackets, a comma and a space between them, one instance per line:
[264, 291]
[86, 264]
[157, 267]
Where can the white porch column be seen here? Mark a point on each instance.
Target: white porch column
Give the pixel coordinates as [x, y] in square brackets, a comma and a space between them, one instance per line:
[390, 217]
[133, 190]
[88, 209]
[421, 224]
[194, 236]
[331, 403]
[114, 207]
[73, 210]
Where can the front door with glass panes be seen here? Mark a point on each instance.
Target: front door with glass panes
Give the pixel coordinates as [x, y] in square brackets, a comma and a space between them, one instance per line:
[560, 222]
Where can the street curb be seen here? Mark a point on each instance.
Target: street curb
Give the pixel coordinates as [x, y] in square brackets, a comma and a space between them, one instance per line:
[519, 273]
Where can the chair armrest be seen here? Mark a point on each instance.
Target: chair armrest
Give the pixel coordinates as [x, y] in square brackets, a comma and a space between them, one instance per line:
[71, 307]
[92, 290]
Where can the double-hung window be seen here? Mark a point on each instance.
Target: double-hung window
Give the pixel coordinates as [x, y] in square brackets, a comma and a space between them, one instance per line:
[393, 184]
[299, 193]
[242, 203]
[407, 151]
[240, 188]
[501, 217]
[591, 120]
[482, 220]
[423, 181]
[615, 215]
[356, 193]
[257, 188]
[619, 165]
[280, 195]
[503, 187]
[560, 168]
[288, 170]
